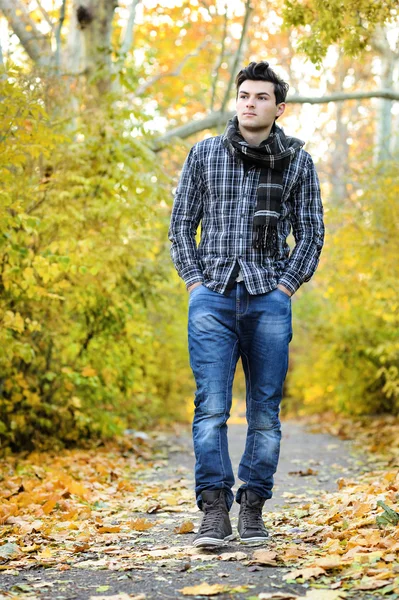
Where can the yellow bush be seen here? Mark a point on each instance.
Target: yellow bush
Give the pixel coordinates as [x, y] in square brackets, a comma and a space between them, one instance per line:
[90, 308]
[345, 352]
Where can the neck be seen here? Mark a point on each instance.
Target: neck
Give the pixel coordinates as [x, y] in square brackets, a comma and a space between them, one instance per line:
[255, 138]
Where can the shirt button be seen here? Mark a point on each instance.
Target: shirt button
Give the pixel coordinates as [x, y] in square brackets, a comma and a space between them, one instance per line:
[241, 235]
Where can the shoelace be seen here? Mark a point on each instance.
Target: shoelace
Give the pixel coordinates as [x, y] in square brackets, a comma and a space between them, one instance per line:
[252, 516]
[212, 517]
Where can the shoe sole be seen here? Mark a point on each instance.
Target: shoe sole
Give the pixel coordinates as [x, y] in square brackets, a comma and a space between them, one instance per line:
[253, 540]
[212, 542]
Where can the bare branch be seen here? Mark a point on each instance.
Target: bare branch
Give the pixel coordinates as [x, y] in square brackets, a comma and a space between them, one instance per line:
[144, 87]
[215, 119]
[237, 57]
[45, 15]
[34, 42]
[340, 96]
[188, 129]
[128, 39]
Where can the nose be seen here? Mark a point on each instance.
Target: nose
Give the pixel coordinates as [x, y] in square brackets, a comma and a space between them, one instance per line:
[250, 102]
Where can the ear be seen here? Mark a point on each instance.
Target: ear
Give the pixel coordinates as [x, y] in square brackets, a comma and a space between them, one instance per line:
[280, 109]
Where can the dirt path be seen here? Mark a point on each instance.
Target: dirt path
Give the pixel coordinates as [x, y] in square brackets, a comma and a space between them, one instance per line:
[159, 563]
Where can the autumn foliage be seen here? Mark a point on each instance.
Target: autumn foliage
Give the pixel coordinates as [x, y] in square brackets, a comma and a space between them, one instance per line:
[89, 306]
[346, 346]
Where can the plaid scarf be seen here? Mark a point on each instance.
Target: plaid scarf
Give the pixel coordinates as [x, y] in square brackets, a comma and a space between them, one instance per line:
[272, 156]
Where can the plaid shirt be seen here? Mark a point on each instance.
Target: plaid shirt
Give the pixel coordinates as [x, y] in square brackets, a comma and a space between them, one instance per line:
[218, 190]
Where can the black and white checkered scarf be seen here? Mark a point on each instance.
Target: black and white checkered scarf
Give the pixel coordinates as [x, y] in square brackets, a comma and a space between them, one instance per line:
[272, 156]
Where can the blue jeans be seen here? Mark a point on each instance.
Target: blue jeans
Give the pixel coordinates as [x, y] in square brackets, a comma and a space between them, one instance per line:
[222, 328]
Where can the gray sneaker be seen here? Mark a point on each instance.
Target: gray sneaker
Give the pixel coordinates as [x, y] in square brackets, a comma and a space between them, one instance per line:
[251, 527]
[215, 527]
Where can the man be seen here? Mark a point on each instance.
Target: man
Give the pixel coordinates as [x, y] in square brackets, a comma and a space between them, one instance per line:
[248, 187]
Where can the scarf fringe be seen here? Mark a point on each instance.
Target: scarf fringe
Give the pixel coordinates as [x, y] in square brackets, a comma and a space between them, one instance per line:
[265, 237]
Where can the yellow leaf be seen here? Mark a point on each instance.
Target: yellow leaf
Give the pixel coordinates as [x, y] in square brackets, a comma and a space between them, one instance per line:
[28, 549]
[186, 527]
[49, 506]
[109, 529]
[330, 562]
[140, 524]
[204, 589]
[89, 372]
[74, 487]
[47, 553]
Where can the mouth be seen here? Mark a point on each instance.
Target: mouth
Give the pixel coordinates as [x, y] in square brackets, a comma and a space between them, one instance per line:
[249, 115]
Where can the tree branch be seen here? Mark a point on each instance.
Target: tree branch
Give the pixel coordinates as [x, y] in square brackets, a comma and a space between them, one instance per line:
[35, 43]
[45, 15]
[248, 10]
[340, 96]
[215, 119]
[144, 87]
[129, 31]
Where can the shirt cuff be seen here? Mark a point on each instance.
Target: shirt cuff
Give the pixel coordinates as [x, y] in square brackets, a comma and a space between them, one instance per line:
[191, 274]
[290, 281]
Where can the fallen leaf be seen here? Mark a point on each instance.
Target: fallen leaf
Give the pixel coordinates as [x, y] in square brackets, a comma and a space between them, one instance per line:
[9, 551]
[306, 573]
[185, 527]
[120, 596]
[140, 524]
[264, 557]
[204, 589]
[324, 595]
[51, 503]
[46, 553]
[109, 529]
[293, 553]
[277, 596]
[372, 584]
[303, 473]
[233, 556]
[330, 562]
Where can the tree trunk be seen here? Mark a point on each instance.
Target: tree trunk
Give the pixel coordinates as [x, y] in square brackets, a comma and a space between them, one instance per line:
[384, 134]
[95, 21]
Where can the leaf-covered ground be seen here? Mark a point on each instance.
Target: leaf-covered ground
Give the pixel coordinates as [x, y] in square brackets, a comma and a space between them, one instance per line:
[118, 522]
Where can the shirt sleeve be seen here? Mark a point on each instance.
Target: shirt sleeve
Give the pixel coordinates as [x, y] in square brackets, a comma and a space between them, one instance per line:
[307, 228]
[186, 215]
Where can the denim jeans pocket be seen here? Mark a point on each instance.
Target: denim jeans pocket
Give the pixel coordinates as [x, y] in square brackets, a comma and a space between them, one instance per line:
[195, 290]
[286, 296]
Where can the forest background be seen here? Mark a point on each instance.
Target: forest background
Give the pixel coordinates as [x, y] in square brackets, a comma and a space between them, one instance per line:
[100, 103]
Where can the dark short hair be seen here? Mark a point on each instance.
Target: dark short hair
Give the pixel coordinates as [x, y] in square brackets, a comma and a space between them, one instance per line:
[261, 71]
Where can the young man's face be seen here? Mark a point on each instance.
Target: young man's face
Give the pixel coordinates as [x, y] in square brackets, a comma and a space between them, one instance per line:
[256, 105]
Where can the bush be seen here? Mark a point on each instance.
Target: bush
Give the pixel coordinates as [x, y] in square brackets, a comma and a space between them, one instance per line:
[91, 338]
[346, 341]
